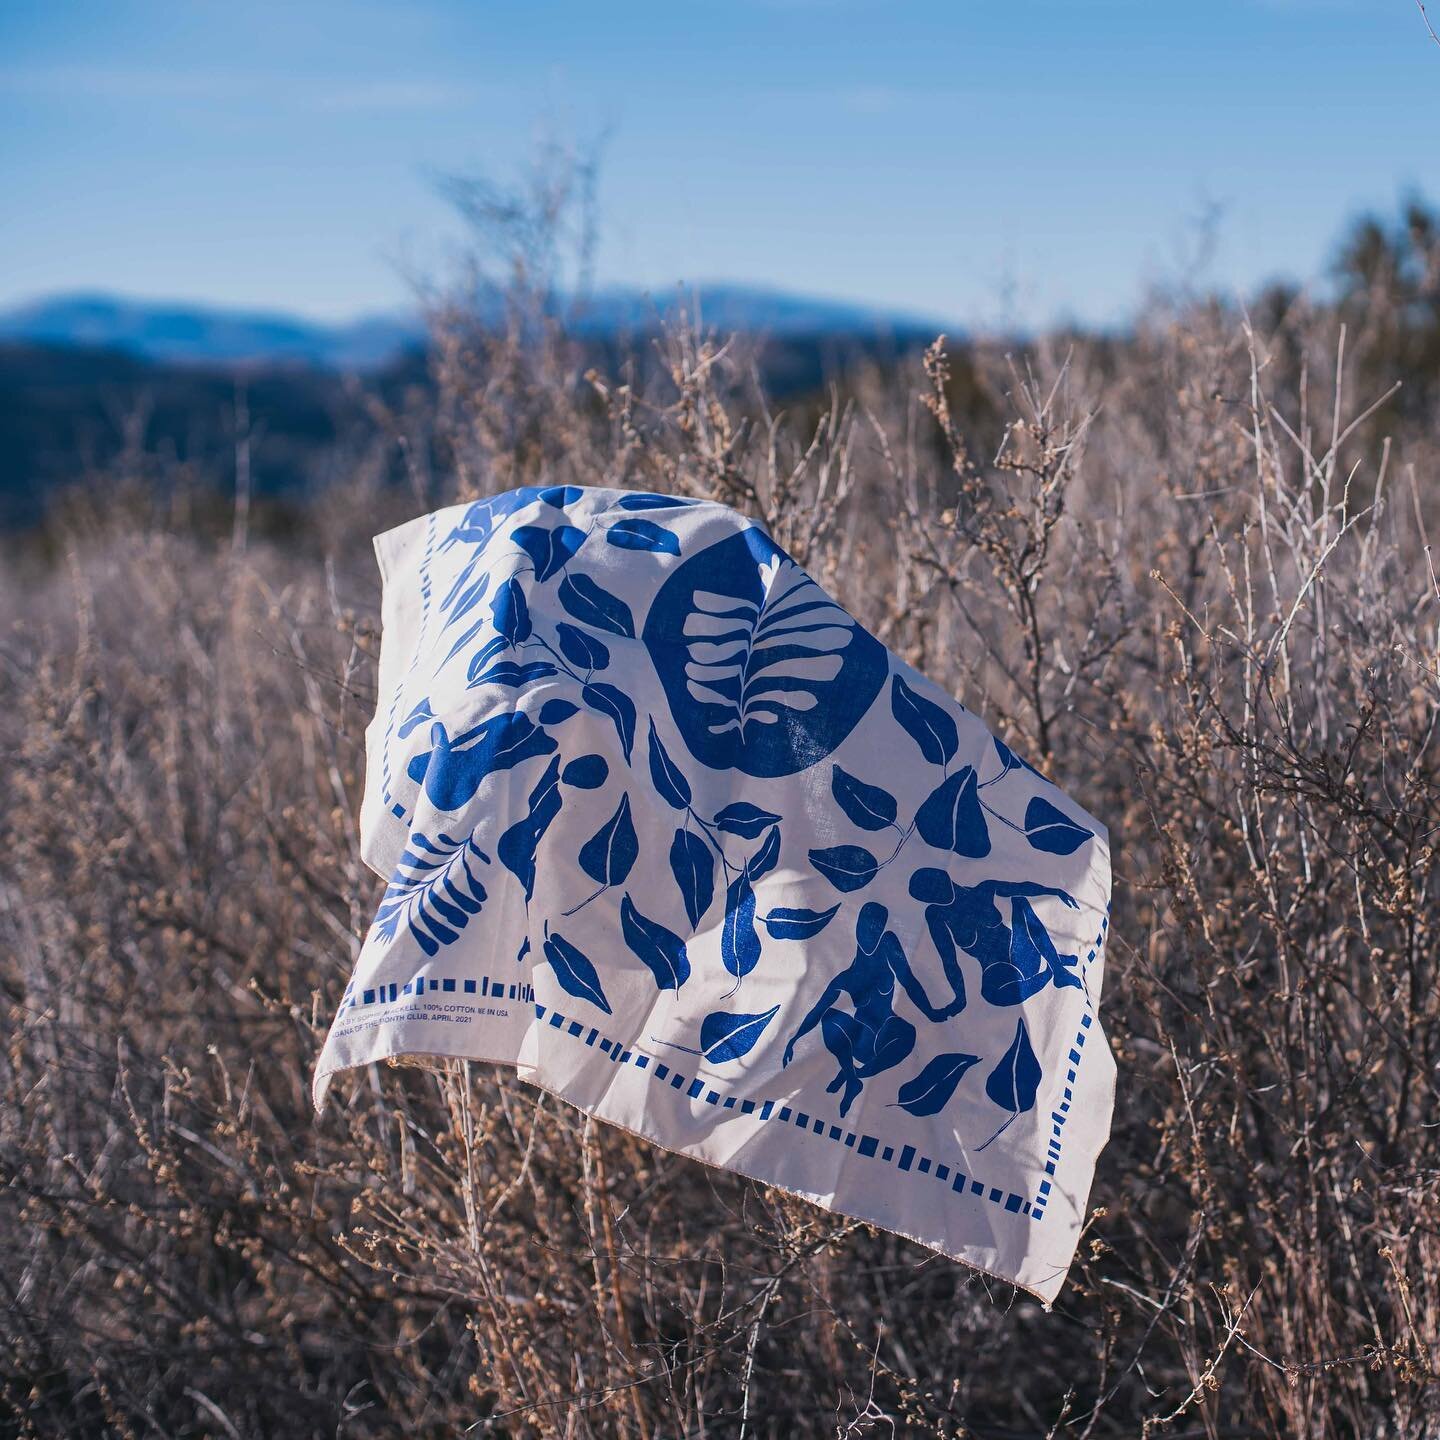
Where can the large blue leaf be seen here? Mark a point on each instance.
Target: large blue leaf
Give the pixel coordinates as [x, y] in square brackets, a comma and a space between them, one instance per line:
[453, 770]
[551, 550]
[739, 940]
[1012, 1084]
[693, 866]
[1052, 830]
[951, 817]
[591, 605]
[674, 788]
[764, 860]
[846, 867]
[727, 1037]
[560, 495]
[617, 705]
[744, 819]
[643, 535]
[556, 711]
[510, 613]
[930, 1091]
[868, 806]
[608, 855]
[573, 971]
[784, 924]
[932, 729]
[650, 502]
[662, 950]
[517, 846]
[583, 651]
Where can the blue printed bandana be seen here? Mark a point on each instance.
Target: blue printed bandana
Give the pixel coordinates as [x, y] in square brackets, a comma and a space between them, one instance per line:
[668, 831]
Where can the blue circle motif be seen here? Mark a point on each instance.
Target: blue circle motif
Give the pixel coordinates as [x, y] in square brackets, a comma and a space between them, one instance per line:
[764, 672]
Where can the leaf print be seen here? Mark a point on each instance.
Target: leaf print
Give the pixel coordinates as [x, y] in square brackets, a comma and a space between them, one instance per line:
[462, 581]
[484, 655]
[551, 550]
[673, 787]
[591, 605]
[764, 662]
[573, 971]
[417, 716]
[739, 940]
[1008, 759]
[661, 949]
[583, 651]
[483, 517]
[608, 855]
[930, 1091]
[517, 846]
[560, 495]
[764, 860]
[453, 770]
[586, 772]
[745, 820]
[643, 535]
[510, 613]
[469, 599]
[510, 674]
[867, 806]
[929, 726]
[786, 924]
[764, 673]
[493, 646]
[651, 502]
[846, 867]
[1049, 829]
[435, 889]
[556, 711]
[616, 704]
[727, 1037]
[693, 866]
[951, 817]
[1013, 1083]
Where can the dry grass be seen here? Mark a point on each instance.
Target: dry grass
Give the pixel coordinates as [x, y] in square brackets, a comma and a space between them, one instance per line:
[1182, 571]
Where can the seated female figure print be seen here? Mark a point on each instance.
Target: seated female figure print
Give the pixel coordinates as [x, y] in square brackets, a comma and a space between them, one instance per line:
[871, 1037]
[1014, 962]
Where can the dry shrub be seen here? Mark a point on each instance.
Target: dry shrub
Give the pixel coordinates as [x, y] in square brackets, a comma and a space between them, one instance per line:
[1180, 573]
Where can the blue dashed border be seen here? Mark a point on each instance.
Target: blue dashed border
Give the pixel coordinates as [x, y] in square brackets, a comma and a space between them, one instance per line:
[1060, 1115]
[904, 1157]
[482, 987]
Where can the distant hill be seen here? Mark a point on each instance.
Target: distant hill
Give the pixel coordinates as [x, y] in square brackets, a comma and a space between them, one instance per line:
[183, 334]
[206, 335]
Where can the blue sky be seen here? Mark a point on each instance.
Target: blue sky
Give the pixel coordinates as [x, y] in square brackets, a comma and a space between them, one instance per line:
[976, 161]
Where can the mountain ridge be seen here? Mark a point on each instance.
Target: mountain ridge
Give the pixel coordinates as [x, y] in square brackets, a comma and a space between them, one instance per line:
[180, 332]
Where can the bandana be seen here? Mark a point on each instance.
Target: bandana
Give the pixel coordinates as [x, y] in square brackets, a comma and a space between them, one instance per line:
[669, 832]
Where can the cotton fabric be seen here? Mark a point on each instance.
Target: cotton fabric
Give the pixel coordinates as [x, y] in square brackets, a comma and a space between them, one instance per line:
[665, 829]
